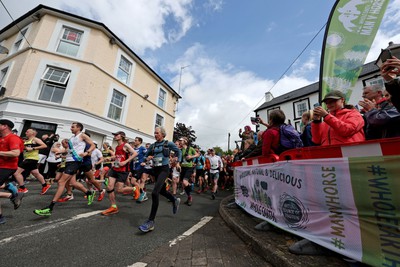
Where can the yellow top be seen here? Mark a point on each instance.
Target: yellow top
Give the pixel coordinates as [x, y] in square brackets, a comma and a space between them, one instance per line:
[34, 154]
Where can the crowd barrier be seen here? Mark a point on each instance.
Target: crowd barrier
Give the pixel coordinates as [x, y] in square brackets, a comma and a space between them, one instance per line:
[345, 198]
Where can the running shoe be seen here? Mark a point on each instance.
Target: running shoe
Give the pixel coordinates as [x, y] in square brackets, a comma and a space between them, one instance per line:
[2, 220]
[145, 198]
[212, 196]
[101, 195]
[45, 189]
[17, 200]
[43, 212]
[23, 190]
[147, 226]
[90, 197]
[189, 201]
[198, 191]
[175, 206]
[66, 198]
[136, 193]
[109, 211]
[141, 197]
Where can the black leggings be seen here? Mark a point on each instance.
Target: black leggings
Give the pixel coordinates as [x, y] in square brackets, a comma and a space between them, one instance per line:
[51, 171]
[160, 173]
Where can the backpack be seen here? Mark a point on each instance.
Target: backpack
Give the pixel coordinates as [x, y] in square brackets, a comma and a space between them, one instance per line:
[166, 151]
[289, 138]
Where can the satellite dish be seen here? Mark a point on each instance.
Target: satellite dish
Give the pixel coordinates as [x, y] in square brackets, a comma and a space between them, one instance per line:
[3, 50]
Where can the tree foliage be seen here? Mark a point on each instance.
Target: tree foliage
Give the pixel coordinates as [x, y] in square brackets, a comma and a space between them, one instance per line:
[180, 130]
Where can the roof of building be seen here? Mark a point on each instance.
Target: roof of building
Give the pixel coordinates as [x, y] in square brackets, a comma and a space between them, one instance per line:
[312, 88]
[306, 90]
[40, 10]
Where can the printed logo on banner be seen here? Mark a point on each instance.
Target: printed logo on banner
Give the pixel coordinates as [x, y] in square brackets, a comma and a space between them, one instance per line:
[294, 212]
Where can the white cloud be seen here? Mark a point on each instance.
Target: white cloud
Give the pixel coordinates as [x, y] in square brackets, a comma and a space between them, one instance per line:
[217, 99]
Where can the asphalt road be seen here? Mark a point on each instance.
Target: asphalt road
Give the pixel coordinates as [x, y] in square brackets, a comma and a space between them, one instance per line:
[77, 235]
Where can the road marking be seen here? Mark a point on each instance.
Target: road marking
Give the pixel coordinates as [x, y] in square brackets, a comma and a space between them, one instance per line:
[138, 264]
[189, 232]
[49, 227]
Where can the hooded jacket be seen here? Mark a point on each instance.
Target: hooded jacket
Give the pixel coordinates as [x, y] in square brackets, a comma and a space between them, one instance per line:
[341, 126]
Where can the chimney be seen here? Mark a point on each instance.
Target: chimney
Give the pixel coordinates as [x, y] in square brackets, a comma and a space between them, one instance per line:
[268, 97]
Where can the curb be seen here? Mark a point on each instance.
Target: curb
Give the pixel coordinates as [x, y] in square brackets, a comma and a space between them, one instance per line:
[271, 245]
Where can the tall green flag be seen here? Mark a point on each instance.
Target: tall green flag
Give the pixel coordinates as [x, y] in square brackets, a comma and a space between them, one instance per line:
[350, 31]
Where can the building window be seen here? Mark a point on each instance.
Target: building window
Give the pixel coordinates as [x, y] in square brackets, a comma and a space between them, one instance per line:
[162, 98]
[3, 74]
[54, 84]
[116, 106]
[124, 70]
[159, 120]
[375, 80]
[20, 38]
[300, 107]
[69, 42]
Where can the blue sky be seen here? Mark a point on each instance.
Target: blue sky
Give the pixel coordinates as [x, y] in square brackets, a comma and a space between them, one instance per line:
[235, 50]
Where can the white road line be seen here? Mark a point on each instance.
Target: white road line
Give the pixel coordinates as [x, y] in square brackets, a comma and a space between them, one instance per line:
[49, 227]
[193, 229]
[138, 264]
[189, 232]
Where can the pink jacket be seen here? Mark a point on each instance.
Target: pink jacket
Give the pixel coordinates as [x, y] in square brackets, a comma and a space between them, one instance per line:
[342, 126]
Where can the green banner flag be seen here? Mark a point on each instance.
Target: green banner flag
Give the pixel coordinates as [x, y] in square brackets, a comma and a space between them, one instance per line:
[350, 31]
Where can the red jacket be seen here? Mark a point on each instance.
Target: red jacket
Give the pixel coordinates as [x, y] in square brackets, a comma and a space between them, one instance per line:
[270, 141]
[342, 126]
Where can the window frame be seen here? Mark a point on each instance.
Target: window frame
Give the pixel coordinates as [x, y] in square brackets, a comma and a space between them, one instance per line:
[374, 80]
[22, 34]
[3, 75]
[71, 43]
[47, 83]
[306, 101]
[128, 73]
[164, 100]
[162, 120]
[112, 104]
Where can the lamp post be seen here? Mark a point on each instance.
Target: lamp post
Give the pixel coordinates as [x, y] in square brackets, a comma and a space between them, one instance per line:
[179, 86]
[392, 50]
[229, 141]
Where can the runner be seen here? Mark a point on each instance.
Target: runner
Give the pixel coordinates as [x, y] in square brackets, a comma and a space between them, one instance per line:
[119, 173]
[137, 169]
[159, 152]
[216, 167]
[10, 148]
[30, 162]
[76, 147]
[187, 168]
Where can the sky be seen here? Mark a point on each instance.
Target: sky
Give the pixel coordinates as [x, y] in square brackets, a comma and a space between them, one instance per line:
[221, 56]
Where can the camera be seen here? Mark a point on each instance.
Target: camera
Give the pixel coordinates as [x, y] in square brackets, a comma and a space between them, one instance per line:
[317, 105]
[254, 120]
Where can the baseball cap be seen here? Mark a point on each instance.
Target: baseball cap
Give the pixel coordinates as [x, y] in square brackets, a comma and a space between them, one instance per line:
[9, 123]
[334, 94]
[121, 133]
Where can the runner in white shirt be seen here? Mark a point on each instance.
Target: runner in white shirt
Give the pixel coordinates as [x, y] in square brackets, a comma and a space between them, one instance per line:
[216, 167]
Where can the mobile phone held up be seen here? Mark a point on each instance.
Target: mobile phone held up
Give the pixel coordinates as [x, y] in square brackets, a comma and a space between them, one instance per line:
[254, 120]
[317, 105]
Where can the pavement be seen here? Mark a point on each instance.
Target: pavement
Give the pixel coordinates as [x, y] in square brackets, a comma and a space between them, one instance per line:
[230, 239]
